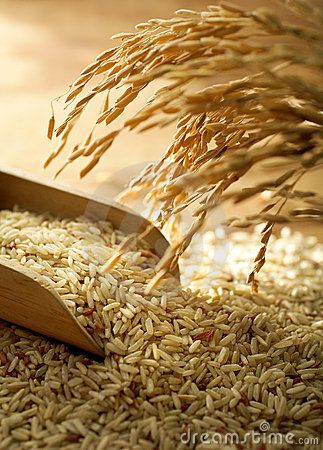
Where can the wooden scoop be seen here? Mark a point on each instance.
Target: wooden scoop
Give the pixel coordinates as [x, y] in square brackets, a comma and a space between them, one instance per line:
[23, 300]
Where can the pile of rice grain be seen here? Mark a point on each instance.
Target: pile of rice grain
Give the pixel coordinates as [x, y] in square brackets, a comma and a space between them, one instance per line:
[176, 360]
[68, 256]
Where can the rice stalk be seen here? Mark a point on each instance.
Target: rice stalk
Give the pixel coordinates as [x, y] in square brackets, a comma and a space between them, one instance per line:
[271, 112]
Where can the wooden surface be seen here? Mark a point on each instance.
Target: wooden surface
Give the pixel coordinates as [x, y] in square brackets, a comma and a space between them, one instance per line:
[22, 299]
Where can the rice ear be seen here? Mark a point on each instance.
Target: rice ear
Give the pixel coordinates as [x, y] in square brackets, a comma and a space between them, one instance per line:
[225, 130]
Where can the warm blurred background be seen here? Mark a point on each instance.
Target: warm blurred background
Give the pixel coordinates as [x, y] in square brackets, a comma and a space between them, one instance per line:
[44, 44]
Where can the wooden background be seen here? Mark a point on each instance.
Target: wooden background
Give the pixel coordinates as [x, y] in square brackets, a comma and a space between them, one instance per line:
[44, 44]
